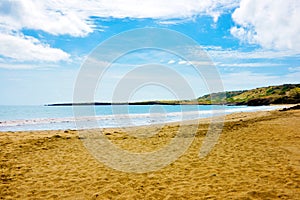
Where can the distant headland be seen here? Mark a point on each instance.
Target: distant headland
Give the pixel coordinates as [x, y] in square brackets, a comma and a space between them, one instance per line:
[281, 94]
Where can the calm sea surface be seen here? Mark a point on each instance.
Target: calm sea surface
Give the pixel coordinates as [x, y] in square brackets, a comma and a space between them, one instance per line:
[20, 118]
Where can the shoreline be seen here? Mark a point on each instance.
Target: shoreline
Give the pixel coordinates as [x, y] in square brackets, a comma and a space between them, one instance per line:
[231, 117]
[38, 124]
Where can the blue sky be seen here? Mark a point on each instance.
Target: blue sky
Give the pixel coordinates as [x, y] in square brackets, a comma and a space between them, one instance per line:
[43, 44]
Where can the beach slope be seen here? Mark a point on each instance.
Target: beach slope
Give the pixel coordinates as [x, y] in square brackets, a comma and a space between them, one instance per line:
[257, 157]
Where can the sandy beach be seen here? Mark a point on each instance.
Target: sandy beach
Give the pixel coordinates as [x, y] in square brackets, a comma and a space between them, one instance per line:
[257, 157]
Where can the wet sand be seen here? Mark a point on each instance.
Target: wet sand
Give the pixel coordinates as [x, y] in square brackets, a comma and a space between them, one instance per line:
[257, 157]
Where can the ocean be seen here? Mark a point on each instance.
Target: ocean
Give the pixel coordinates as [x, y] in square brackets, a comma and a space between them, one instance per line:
[26, 118]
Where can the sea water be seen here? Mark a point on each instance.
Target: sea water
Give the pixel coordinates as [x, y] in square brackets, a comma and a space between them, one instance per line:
[24, 118]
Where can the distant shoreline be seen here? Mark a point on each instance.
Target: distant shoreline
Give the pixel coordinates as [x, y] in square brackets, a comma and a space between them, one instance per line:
[129, 103]
[160, 103]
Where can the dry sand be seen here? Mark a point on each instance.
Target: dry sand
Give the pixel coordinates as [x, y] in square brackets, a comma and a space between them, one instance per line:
[257, 157]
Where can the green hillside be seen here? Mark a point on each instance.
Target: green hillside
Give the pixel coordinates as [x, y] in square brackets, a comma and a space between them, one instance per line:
[282, 94]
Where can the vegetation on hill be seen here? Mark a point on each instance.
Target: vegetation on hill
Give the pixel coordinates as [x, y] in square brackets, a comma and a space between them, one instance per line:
[282, 94]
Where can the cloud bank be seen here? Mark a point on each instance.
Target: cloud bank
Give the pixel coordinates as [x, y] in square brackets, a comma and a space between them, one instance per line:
[273, 24]
[25, 48]
[76, 18]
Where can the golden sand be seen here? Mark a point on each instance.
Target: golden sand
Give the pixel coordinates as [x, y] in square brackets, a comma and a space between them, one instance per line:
[257, 157]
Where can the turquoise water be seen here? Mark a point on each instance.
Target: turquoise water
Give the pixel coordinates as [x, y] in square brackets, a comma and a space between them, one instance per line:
[20, 118]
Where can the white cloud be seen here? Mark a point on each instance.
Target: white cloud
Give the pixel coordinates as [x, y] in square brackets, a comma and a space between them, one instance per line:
[254, 64]
[16, 66]
[74, 17]
[159, 9]
[172, 21]
[273, 24]
[171, 61]
[200, 63]
[294, 69]
[239, 58]
[24, 66]
[49, 16]
[25, 48]
[182, 62]
[255, 54]
[220, 53]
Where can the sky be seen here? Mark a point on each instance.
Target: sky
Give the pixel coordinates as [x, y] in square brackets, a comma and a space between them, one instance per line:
[44, 45]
